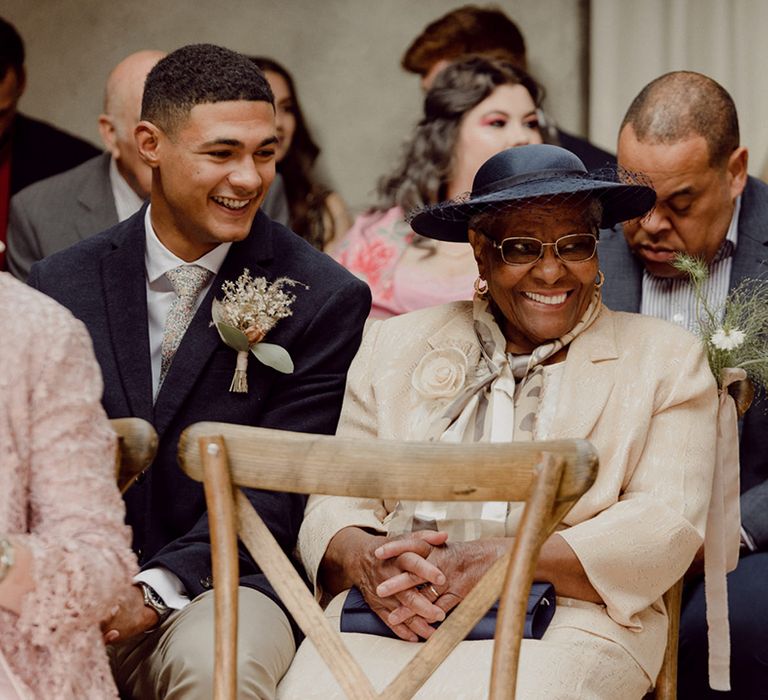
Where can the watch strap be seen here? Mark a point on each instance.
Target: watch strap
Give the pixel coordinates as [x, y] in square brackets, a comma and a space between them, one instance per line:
[153, 600]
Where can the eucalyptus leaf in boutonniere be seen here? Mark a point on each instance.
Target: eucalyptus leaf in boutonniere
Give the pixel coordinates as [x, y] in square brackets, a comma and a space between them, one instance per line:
[736, 334]
[249, 310]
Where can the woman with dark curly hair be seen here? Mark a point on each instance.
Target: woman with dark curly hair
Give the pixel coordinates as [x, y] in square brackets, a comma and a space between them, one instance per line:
[476, 108]
[317, 213]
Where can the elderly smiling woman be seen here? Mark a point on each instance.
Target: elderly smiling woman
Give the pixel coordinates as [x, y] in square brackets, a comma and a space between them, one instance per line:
[535, 355]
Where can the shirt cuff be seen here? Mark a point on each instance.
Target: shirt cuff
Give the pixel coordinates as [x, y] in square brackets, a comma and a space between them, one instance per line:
[166, 584]
[747, 541]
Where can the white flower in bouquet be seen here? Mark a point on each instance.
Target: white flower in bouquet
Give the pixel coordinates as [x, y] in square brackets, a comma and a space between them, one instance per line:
[724, 339]
[741, 338]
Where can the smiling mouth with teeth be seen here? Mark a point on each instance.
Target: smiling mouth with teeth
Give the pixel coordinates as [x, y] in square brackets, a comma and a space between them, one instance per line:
[233, 204]
[552, 299]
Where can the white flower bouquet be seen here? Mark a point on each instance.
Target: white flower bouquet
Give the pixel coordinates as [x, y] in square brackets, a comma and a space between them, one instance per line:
[740, 339]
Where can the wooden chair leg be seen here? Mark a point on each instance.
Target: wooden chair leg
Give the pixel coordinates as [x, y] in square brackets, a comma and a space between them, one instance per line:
[511, 618]
[298, 599]
[666, 683]
[224, 554]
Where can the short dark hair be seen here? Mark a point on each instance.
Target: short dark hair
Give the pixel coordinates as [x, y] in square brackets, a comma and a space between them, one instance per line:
[199, 74]
[682, 104]
[469, 29]
[11, 49]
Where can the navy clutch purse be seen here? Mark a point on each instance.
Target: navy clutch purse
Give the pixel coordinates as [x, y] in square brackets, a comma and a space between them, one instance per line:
[357, 616]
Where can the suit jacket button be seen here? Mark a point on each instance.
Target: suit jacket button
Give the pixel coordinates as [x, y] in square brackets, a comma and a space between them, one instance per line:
[206, 582]
[140, 555]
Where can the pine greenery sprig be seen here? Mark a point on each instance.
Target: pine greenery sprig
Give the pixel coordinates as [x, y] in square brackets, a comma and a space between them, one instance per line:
[741, 339]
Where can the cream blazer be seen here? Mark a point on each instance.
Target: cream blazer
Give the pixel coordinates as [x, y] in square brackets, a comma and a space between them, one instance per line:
[638, 388]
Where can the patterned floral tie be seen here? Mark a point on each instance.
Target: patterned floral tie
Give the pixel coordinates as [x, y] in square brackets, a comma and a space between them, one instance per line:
[187, 281]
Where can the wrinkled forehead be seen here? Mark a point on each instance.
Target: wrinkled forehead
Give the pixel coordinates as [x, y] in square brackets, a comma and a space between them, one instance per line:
[543, 218]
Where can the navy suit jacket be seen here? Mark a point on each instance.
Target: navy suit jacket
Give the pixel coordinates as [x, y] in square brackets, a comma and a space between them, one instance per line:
[592, 156]
[102, 281]
[623, 292]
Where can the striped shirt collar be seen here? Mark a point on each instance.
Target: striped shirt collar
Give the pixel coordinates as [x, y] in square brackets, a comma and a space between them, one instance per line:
[673, 299]
[728, 246]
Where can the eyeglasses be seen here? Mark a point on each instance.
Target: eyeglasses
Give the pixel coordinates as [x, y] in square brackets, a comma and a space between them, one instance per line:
[520, 250]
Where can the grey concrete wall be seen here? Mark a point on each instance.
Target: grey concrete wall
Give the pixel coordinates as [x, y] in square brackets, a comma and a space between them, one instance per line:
[344, 55]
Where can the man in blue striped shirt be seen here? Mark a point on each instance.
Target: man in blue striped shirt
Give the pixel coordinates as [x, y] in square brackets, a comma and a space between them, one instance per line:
[682, 131]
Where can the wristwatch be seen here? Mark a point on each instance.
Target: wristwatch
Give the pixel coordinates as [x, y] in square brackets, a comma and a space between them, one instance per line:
[6, 557]
[154, 601]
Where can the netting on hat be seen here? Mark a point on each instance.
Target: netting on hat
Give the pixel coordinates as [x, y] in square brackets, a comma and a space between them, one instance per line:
[623, 194]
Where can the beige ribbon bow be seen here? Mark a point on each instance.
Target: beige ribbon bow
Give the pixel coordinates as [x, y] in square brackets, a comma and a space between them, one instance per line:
[721, 544]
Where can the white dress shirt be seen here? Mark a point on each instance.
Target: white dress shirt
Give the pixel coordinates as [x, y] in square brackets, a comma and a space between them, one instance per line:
[127, 202]
[160, 295]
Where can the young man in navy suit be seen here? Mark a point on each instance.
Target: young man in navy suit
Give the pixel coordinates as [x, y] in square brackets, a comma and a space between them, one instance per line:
[208, 133]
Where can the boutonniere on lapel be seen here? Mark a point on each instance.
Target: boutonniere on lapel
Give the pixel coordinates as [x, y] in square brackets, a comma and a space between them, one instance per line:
[734, 334]
[249, 310]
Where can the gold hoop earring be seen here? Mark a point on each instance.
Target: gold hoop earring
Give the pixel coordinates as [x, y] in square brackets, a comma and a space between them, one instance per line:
[481, 287]
[599, 280]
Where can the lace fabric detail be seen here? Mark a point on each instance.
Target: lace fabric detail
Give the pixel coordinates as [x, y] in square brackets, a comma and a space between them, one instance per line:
[60, 501]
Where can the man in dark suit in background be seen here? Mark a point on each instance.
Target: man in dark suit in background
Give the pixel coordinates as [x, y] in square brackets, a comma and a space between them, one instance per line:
[682, 131]
[30, 150]
[208, 133]
[57, 212]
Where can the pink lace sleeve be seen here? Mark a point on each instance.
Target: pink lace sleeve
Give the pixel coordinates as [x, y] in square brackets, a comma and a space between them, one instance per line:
[76, 532]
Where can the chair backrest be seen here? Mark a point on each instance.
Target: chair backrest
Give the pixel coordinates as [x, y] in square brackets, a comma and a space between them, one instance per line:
[136, 448]
[549, 476]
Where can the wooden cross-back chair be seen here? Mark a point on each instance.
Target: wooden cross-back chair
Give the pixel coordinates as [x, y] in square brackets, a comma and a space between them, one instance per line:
[136, 448]
[549, 476]
[666, 683]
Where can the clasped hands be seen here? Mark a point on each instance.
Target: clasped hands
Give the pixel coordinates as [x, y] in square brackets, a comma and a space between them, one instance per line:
[415, 579]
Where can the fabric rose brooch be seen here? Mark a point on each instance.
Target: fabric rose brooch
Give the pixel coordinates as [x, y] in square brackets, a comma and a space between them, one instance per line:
[249, 310]
[441, 373]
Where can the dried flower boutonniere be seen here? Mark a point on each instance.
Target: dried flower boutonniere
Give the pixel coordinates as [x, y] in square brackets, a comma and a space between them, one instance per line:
[249, 310]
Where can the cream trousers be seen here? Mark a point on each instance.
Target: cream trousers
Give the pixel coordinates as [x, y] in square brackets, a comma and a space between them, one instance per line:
[567, 664]
[176, 661]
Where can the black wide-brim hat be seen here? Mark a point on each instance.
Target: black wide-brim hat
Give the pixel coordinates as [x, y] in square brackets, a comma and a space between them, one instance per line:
[531, 173]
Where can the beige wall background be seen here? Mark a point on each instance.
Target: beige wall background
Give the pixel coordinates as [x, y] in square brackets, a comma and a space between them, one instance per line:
[344, 55]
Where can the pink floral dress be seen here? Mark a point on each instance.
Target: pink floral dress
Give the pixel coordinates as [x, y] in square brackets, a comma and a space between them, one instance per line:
[373, 250]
